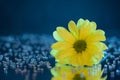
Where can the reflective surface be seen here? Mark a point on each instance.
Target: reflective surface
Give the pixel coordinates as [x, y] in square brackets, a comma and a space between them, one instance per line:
[26, 57]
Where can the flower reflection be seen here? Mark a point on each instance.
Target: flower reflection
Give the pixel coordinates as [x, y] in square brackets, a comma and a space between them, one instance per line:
[68, 72]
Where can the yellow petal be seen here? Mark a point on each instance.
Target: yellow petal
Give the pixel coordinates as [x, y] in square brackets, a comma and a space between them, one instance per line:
[87, 28]
[86, 57]
[65, 53]
[94, 60]
[100, 56]
[65, 60]
[80, 59]
[79, 23]
[94, 48]
[54, 52]
[93, 26]
[61, 45]
[67, 36]
[73, 29]
[84, 30]
[97, 36]
[74, 60]
[97, 45]
[102, 46]
[57, 36]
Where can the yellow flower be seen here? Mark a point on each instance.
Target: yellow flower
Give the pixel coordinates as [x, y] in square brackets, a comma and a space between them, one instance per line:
[63, 72]
[81, 45]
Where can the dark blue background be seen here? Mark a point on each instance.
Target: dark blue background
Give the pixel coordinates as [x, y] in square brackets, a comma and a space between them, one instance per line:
[42, 16]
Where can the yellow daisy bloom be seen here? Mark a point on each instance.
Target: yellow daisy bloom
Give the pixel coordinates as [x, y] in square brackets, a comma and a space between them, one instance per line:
[63, 72]
[81, 45]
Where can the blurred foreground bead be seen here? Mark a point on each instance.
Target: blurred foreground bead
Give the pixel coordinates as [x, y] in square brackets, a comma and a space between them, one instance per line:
[25, 55]
[112, 62]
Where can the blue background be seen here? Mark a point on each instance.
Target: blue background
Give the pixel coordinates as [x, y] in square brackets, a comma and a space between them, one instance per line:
[42, 16]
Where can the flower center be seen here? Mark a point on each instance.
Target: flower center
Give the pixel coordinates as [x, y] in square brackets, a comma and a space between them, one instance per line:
[80, 46]
[79, 77]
